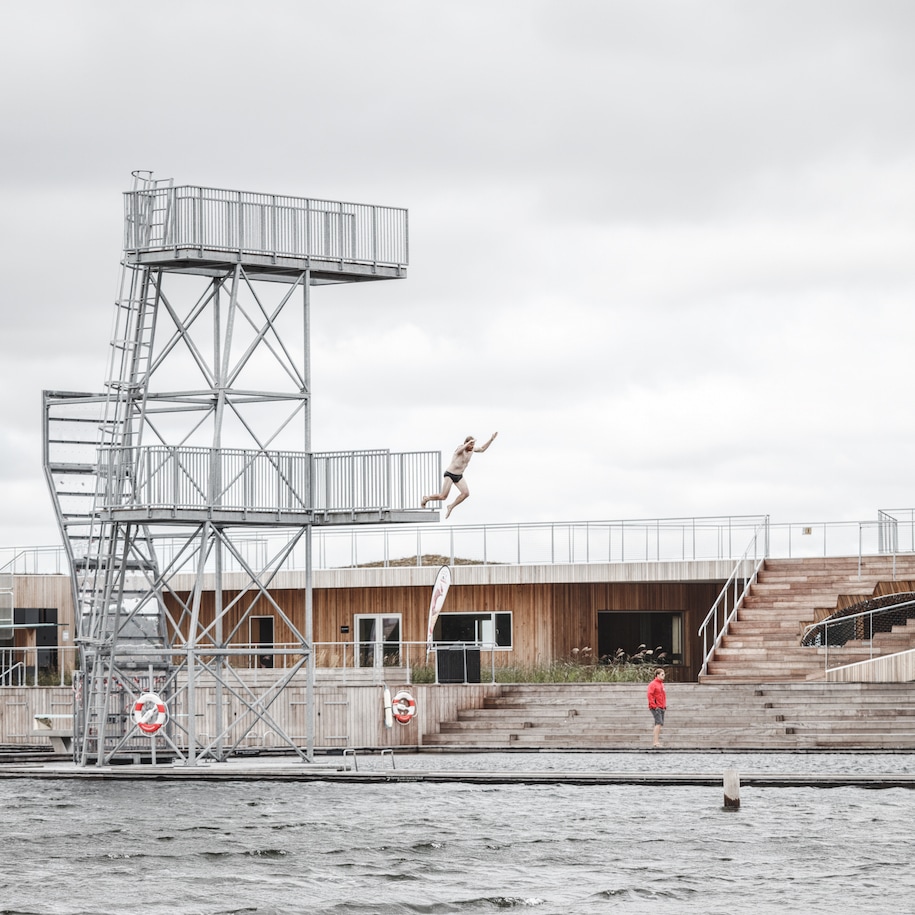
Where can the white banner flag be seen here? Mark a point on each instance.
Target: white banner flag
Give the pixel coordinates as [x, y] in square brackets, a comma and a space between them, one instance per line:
[439, 593]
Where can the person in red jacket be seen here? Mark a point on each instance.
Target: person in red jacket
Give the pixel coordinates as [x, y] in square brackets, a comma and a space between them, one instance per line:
[657, 703]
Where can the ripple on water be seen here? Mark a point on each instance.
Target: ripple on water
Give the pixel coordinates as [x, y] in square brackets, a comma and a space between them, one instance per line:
[356, 849]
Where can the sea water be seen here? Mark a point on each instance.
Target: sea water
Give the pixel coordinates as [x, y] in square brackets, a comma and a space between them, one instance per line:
[74, 846]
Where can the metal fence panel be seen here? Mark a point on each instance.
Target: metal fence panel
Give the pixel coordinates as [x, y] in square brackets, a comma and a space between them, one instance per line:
[189, 217]
[188, 478]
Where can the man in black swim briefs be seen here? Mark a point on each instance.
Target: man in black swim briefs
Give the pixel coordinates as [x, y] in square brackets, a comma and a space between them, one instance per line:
[455, 473]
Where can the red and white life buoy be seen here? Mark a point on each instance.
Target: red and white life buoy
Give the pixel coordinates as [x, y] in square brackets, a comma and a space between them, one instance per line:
[149, 713]
[404, 707]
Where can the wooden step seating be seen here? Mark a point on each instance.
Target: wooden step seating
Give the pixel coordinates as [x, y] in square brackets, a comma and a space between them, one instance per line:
[763, 643]
[615, 716]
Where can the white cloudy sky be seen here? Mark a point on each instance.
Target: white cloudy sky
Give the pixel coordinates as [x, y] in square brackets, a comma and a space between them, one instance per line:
[665, 248]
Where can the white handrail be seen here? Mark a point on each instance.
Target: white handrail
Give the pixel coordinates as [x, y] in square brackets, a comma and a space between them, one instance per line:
[729, 601]
[844, 620]
[536, 543]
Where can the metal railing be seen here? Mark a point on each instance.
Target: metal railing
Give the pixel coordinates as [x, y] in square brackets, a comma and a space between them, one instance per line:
[672, 540]
[215, 219]
[724, 610]
[351, 661]
[189, 478]
[664, 540]
[39, 560]
[21, 666]
[413, 662]
[880, 616]
[12, 674]
[538, 543]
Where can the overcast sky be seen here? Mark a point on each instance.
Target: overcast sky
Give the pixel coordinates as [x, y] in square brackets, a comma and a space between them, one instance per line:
[666, 249]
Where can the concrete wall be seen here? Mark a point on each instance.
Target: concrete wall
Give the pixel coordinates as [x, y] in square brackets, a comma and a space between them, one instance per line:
[894, 668]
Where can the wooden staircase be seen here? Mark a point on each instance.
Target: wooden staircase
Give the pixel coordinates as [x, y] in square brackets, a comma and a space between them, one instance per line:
[614, 716]
[763, 644]
[763, 690]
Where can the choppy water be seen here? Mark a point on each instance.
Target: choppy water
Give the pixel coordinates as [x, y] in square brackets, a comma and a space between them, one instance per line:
[343, 849]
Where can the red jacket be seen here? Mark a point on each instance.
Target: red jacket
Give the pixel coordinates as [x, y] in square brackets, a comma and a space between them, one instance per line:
[657, 698]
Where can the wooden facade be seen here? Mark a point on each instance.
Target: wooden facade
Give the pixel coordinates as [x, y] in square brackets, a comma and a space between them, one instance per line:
[550, 621]
[347, 716]
[556, 610]
[38, 594]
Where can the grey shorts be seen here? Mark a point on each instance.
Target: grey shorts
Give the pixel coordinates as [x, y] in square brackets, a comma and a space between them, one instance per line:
[658, 715]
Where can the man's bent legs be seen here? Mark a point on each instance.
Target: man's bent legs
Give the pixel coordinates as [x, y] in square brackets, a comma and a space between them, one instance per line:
[463, 493]
[439, 496]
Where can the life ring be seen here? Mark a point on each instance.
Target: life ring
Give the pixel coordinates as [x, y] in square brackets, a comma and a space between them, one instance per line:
[404, 707]
[147, 706]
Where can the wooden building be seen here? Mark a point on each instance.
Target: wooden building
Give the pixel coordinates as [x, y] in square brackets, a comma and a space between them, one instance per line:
[515, 616]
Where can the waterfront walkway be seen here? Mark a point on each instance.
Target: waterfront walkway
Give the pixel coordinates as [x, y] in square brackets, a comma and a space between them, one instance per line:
[375, 770]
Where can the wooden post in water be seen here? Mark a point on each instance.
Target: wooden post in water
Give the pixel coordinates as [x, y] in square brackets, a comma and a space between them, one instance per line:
[731, 789]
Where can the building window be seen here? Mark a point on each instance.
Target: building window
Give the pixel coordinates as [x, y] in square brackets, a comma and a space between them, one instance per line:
[37, 634]
[488, 630]
[632, 632]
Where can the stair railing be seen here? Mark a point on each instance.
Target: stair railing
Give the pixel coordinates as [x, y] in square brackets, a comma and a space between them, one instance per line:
[836, 631]
[730, 600]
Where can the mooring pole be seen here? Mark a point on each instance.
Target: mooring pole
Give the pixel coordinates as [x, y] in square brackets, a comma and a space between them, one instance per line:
[731, 789]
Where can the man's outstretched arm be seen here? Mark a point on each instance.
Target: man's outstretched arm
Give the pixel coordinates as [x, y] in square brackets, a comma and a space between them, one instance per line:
[491, 440]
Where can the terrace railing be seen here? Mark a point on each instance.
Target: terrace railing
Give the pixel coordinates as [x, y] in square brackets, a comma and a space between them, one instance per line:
[212, 219]
[192, 478]
[664, 540]
[880, 614]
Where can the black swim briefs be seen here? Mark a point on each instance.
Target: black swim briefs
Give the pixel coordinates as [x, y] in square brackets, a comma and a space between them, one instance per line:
[457, 477]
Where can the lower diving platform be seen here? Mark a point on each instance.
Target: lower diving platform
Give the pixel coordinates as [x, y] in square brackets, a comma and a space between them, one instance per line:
[229, 486]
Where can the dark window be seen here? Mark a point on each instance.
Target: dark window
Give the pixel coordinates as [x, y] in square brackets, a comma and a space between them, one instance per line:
[44, 621]
[631, 632]
[475, 629]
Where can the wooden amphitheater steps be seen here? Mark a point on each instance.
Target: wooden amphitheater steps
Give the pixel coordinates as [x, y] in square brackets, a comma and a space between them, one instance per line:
[614, 716]
[763, 643]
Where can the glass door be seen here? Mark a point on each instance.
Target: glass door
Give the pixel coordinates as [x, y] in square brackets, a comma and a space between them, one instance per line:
[378, 641]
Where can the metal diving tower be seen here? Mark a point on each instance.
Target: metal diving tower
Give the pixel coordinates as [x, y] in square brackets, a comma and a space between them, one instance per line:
[201, 436]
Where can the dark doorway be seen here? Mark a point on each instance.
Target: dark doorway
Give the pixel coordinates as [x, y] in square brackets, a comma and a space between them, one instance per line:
[262, 639]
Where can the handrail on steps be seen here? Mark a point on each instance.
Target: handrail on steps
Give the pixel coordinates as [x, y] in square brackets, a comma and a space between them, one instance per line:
[853, 620]
[724, 610]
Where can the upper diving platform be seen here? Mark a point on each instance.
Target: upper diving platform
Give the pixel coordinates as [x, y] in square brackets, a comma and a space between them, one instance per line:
[203, 230]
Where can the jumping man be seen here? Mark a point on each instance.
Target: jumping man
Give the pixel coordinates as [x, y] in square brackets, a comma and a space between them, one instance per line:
[455, 473]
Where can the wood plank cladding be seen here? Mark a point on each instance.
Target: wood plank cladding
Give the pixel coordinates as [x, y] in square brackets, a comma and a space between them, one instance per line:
[45, 591]
[345, 716]
[549, 619]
